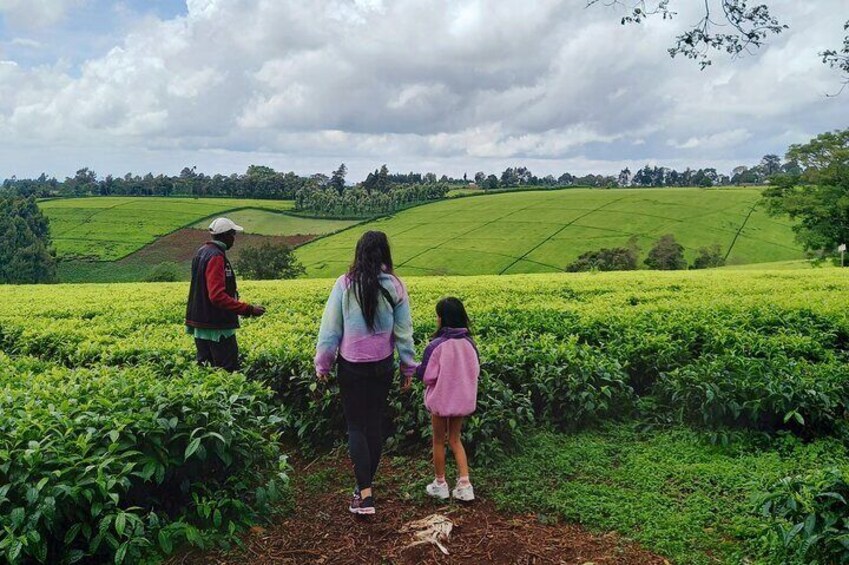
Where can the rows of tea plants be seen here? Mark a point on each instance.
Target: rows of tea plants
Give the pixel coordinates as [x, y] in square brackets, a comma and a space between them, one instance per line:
[754, 351]
[765, 351]
[111, 464]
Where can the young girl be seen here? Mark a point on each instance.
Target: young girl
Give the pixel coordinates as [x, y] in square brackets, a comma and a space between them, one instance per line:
[450, 370]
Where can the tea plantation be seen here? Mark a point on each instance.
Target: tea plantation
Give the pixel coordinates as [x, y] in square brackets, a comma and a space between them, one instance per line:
[544, 231]
[701, 413]
[108, 228]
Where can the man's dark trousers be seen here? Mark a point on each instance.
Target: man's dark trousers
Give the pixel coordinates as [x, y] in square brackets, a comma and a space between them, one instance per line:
[223, 354]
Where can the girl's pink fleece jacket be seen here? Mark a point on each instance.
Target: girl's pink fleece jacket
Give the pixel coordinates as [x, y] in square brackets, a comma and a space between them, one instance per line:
[450, 369]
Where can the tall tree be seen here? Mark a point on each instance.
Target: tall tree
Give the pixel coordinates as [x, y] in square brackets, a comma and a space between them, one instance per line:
[337, 179]
[26, 255]
[818, 197]
[771, 165]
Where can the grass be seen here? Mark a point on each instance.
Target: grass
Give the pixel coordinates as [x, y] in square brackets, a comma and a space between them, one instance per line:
[263, 222]
[543, 231]
[671, 490]
[109, 228]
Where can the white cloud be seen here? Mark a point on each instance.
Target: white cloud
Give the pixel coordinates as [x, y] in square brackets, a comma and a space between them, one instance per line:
[36, 13]
[434, 82]
[24, 42]
[724, 139]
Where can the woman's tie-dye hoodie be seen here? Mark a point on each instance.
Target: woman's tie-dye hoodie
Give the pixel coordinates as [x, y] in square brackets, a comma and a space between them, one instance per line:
[344, 330]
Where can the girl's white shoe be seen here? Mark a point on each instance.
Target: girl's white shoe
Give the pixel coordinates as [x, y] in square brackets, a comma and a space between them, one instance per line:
[464, 493]
[438, 490]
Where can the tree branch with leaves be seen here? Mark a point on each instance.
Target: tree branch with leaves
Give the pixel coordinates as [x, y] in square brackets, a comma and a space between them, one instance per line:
[730, 26]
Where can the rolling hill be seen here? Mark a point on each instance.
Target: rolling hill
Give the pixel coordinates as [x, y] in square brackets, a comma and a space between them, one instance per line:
[109, 228]
[543, 231]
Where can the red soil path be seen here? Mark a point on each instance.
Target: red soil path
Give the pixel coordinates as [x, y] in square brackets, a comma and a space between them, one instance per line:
[321, 531]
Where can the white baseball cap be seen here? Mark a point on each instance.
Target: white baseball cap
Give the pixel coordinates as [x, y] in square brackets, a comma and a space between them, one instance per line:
[223, 225]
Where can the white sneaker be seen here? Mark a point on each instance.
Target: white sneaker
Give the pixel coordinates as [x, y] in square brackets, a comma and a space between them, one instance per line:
[464, 493]
[437, 490]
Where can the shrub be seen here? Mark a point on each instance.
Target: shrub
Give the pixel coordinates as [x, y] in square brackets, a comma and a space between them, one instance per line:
[709, 258]
[106, 464]
[616, 259]
[164, 272]
[268, 261]
[666, 255]
[766, 394]
[810, 518]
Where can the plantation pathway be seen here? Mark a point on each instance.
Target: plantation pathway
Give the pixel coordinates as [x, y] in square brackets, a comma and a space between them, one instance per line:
[321, 530]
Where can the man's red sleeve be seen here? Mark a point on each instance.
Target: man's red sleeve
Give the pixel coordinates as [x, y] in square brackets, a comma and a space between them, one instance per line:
[216, 288]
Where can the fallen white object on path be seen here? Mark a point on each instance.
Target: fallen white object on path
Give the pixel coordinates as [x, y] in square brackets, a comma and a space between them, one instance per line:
[435, 529]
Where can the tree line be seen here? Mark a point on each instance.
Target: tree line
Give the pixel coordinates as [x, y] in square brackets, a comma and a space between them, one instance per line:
[264, 182]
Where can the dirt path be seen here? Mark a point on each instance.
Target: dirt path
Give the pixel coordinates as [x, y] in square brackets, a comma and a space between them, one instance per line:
[321, 530]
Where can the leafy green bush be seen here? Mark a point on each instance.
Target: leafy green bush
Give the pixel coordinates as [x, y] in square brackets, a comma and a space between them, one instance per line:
[810, 518]
[709, 258]
[107, 464]
[616, 259]
[666, 255]
[268, 261]
[764, 394]
[164, 272]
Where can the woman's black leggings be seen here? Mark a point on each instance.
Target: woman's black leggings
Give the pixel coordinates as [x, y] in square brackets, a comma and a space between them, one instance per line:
[365, 388]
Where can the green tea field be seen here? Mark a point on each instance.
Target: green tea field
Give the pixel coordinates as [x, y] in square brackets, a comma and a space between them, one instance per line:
[109, 228]
[526, 232]
[700, 414]
[264, 222]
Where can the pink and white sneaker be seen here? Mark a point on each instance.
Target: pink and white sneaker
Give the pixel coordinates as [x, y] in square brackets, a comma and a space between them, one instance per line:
[438, 490]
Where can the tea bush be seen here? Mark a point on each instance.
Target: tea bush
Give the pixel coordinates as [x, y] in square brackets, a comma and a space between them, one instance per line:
[109, 464]
[810, 518]
[760, 351]
[702, 346]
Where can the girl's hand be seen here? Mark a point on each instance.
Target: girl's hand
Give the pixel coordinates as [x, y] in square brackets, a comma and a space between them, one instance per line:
[322, 377]
[408, 382]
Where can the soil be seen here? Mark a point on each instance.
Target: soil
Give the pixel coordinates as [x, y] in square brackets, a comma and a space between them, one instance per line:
[322, 531]
[181, 245]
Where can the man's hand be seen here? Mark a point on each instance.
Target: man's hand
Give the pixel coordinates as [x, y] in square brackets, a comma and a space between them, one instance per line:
[257, 311]
[322, 377]
[408, 382]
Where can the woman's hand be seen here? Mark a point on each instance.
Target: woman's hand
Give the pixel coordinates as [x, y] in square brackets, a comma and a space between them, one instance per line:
[322, 377]
[408, 382]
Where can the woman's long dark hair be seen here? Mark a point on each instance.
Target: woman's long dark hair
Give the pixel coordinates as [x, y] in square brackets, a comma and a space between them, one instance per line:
[452, 313]
[372, 258]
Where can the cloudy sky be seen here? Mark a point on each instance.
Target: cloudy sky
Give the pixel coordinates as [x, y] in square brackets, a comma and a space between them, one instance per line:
[449, 86]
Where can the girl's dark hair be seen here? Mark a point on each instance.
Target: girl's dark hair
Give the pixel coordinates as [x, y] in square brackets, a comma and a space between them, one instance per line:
[371, 258]
[452, 313]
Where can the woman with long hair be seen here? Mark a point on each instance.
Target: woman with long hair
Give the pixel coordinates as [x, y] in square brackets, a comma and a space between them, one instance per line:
[366, 318]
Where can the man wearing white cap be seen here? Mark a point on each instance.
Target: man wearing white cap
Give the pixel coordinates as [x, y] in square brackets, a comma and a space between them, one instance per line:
[213, 310]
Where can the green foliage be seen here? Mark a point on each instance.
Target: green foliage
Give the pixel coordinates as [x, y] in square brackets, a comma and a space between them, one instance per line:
[762, 350]
[103, 463]
[164, 272]
[670, 489]
[753, 355]
[107, 229]
[818, 197]
[616, 259]
[666, 255]
[26, 253]
[543, 231]
[268, 261]
[810, 518]
[336, 200]
[709, 258]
